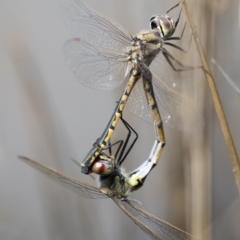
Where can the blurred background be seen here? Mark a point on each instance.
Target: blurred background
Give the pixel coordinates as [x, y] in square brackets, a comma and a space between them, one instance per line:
[45, 114]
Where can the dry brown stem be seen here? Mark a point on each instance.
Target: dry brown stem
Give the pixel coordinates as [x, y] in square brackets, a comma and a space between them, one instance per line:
[215, 97]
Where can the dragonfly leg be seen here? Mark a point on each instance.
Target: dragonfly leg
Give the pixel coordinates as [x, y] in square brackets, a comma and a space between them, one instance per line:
[179, 38]
[170, 9]
[179, 15]
[123, 155]
[109, 147]
[123, 144]
[170, 59]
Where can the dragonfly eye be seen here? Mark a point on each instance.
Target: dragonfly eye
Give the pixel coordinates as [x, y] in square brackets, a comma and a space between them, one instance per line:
[102, 167]
[167, 26]
[154, 22]
[164, 25]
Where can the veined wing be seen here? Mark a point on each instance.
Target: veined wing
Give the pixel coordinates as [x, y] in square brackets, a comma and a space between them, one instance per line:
[85, 23]
[176, 110]
[122, 205]
[83, 189]
[179, 111]
[171, 105]
[89, 191]
[161, 68]
[95, 67]
[167, 230]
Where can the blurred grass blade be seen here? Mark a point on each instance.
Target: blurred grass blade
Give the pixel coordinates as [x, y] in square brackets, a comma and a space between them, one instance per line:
[229, 80]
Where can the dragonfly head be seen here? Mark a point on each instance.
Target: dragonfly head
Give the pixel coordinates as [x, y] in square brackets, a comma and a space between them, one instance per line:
[103, 167]
[165, 25]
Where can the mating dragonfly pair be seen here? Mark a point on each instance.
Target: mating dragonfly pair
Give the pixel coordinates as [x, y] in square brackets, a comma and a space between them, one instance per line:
[101, 56]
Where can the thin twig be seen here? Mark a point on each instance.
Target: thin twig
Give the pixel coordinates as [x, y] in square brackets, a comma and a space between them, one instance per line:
[215, 97]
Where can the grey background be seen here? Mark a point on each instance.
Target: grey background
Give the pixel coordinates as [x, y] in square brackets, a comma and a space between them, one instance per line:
[47, 115]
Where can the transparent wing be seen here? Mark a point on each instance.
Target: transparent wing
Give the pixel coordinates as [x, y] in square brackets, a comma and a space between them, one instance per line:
[173, 106]
[122, 205]
[95, 67]
[176, 110]
[167, 231]
[85, 23]
[161, 68]
[83, 189]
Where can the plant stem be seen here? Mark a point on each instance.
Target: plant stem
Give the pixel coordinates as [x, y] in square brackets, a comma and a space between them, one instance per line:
[215, 96]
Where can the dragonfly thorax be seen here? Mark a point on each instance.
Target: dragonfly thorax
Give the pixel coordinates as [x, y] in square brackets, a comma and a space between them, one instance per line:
[145, 47]
[115, 184]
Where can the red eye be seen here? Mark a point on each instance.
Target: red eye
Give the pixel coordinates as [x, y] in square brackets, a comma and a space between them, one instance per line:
[98, 167]
[102, 167]
[165, 22]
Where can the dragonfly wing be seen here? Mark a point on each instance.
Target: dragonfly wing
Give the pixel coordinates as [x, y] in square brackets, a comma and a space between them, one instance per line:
[85, 23]
[95, 67]
[176, 110]
[164, 71]
[83, 189]
[137, 102]
[122, 205]
[167, 231]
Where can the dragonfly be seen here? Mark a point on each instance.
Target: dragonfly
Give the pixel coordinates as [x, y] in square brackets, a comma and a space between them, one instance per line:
[116, 184]
[103, 54]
